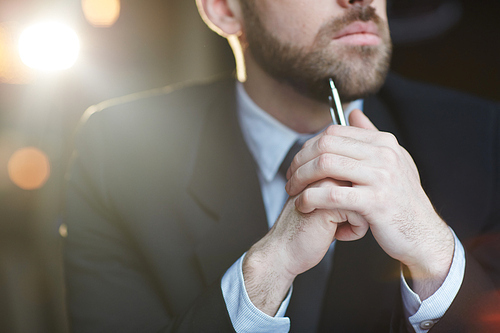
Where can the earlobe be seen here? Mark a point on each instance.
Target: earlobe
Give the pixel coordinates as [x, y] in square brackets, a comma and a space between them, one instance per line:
[222, 16]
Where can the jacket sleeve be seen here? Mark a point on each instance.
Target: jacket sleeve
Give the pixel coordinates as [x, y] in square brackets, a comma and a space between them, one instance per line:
[109, 287]
[476, 307]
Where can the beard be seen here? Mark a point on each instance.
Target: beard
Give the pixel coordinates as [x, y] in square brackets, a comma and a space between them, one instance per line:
[357, 70]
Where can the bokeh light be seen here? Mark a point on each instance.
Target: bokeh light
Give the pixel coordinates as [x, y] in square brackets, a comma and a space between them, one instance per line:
[12, 69]
[63, 230]
[29, 168]
[101, 13]
[49, 46]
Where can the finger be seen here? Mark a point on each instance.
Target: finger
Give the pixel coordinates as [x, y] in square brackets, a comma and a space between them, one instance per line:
[336, 198]
[330, 182]
[360, 134]
[355, 228]
[349, 225]
[358, 119]
[338, 145]
[328, 166]
[362, 129]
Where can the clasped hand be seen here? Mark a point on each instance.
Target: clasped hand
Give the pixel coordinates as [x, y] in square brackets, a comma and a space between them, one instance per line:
[386, 194]
[344, 181]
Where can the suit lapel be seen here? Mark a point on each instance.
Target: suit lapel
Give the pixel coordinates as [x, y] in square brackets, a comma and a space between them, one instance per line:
[379, 113]
[225, 184]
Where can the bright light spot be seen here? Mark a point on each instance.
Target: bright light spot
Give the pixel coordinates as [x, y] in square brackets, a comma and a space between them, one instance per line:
[49, 46]
[29, 168]
[63, 230]
[101, 13]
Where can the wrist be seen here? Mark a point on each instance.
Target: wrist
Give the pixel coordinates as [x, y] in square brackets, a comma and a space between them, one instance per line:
[266, 279]
[433, 255]
[432, 266]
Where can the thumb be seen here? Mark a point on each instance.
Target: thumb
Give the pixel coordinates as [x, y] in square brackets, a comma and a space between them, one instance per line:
[358, 119]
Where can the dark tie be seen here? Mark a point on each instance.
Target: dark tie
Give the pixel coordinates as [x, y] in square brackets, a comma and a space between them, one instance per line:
[289, 158]
[306, 303]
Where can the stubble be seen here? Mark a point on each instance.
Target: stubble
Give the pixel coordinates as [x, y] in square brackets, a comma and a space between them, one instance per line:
[358, 70]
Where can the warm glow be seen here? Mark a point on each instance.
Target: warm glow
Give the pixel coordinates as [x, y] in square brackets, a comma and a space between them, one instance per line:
[492, 318]
[49, 46]
[101, 13]
[12, 70]
[63, 230]
[29, 168]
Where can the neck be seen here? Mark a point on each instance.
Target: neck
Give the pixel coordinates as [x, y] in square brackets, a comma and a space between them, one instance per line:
[280, 100]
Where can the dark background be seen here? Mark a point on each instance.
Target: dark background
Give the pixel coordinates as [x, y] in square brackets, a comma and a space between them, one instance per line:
[155, 43]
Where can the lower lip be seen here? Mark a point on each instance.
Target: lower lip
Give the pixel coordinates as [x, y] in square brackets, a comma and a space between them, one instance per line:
[359, 39]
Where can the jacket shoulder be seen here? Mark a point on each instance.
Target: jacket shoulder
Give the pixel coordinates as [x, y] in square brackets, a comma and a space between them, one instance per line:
[171, 98]
[414, 95]
[151, 117]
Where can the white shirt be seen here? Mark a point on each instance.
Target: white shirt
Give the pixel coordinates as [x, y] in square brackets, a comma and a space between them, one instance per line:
[269, 141]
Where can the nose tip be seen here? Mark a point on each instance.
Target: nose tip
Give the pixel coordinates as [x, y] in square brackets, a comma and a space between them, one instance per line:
[350, 3]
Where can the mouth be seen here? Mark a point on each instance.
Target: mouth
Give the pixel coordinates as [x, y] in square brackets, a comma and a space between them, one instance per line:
[358, 33]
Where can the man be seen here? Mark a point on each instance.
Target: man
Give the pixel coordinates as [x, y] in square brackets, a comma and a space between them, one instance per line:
[171, 193]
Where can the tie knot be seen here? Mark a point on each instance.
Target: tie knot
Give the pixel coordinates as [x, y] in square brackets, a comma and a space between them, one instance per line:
[287, 161]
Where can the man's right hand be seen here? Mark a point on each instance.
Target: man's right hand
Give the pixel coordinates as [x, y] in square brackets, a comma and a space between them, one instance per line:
[296, 243]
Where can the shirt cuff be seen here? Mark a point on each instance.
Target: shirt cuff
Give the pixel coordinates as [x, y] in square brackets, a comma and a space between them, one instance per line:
[245, 317]
[422, 316]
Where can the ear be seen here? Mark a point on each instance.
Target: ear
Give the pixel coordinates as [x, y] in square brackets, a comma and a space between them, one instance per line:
[222, 16]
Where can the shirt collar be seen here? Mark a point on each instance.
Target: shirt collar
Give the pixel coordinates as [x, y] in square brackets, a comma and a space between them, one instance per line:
[269, 140]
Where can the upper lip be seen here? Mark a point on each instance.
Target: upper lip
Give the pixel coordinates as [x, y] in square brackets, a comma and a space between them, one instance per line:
[358, 28]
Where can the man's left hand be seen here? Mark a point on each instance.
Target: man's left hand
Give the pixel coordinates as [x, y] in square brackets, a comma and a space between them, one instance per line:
[385, 191]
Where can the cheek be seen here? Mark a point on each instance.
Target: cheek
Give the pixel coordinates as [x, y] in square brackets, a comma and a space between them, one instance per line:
[293, 30]
[297, 24]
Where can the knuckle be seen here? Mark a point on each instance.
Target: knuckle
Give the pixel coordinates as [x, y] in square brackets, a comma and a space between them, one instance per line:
[390, 139]
[389, 155]
[332, 130]
[333, 195]
[324, 163]
[296, 177]
[305, 198]
[324, 143]
[383, 176]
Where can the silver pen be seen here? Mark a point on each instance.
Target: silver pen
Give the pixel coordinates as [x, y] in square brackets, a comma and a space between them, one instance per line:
[336, 106]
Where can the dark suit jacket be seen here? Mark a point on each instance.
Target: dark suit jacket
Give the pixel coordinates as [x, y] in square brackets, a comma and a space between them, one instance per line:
[163, 197]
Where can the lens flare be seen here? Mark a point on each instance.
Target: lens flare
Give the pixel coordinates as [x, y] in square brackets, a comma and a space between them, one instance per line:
[63, 230]
[49, 46]
[29, 168]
